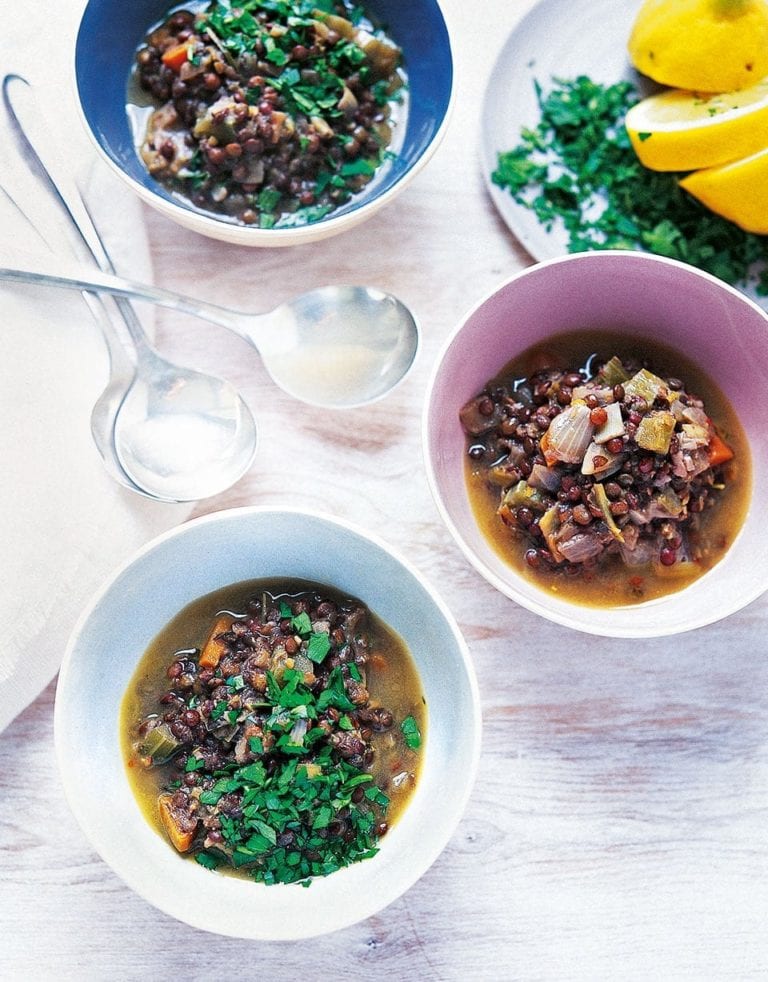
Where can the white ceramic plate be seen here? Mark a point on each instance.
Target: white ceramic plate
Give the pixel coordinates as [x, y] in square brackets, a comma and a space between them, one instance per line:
[557, 39]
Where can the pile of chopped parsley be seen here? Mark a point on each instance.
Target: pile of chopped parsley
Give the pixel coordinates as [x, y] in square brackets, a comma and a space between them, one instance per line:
[283, 830]
[577, 166]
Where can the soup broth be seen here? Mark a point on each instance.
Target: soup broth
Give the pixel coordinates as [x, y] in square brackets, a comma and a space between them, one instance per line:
[272, 117]
[293, 679]
[641, 478]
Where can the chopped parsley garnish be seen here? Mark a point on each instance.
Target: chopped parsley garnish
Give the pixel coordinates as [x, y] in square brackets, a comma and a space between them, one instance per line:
[301, 624]
[577, 167]
[411, 733]
[318, 647]
[207, 859]
[281, 832]
[318, 95]
[267, 761]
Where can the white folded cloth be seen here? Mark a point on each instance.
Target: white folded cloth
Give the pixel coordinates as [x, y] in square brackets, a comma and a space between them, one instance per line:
[64, 522]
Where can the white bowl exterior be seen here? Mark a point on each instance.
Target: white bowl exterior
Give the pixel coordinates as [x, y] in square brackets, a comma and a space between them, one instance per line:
[143, 596]
[633, 294]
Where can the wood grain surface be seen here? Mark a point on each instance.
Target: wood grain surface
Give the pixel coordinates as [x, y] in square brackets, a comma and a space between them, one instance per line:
[617, 829]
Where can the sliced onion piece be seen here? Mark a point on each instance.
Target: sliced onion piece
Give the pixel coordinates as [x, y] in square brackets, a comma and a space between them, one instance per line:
[613, 426]
[544, 478]
[580, 547]
[568, 436]
[598, 460]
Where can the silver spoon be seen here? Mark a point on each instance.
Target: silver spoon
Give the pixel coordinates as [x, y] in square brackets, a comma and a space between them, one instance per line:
[334, 347]
[121, 370]
[176, 433]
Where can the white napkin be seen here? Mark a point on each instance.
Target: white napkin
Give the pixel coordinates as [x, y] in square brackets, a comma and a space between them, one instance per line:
[64, 523]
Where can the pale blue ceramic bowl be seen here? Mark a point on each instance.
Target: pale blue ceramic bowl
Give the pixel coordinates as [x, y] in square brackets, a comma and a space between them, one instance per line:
[141, 597]
[102, 70]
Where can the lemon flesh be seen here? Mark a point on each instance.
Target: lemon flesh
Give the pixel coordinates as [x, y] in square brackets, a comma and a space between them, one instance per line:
[703, 45]
[737, 191]
[680, 131]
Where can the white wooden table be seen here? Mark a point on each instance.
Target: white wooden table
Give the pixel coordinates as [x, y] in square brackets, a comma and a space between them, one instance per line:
[618, 828]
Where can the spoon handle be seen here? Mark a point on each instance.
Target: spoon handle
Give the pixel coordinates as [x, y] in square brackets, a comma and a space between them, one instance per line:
[31, 184]
[25, 115]
[73, 278]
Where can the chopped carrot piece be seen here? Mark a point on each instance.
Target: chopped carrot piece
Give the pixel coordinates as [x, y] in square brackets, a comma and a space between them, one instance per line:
[550, 456]
[175, 57]
[719, 451]
[214, 647]
[180, 838]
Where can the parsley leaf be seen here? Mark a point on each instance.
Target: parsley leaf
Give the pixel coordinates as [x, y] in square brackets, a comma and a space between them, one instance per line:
[576, 168]
[318, 647]
[335, 693]
[411, 733]
[301, 624]
[207, 859]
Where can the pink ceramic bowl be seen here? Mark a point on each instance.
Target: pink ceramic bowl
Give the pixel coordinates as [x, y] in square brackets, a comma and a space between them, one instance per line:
[643, 296]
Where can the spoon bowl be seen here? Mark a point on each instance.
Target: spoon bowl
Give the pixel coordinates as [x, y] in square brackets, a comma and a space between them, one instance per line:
[335, 347]
[182, 434]
[172, 433]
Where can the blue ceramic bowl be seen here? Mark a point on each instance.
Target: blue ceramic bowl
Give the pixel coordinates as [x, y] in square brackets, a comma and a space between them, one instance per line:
[102, 72]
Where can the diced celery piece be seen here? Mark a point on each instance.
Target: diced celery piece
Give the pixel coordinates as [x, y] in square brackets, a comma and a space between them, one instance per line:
[613, 372]
[549, 523]
[602, 502]
[646, 385]
[655, 432]
[523, 494]
[696, 434]
[159, 744]
[499, 475]
[683, 569]
[669, 502]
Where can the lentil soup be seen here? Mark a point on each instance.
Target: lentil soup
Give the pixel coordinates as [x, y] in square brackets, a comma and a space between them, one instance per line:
[274, 729]
[267, 114]
[606, 471]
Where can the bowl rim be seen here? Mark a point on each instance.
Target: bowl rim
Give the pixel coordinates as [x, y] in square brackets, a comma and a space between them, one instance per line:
[434, 846]
[649, 629]
[236, 234]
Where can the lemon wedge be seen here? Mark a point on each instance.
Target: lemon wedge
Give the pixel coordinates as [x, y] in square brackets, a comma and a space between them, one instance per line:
[678, 130]
[704, 45]
[738, 191]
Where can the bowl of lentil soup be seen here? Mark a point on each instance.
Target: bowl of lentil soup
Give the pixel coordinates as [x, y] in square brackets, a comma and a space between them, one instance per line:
[594, 431]
[267, 699]
[265, 123]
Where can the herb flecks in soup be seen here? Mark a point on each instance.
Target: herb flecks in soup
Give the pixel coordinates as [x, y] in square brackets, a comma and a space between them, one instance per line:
[271, 114]
[604, 478]
[281, 740]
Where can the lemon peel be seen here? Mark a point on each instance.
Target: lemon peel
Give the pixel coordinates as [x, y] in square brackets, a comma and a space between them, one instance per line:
[703, 45]
[737, 191]
[681, 131]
